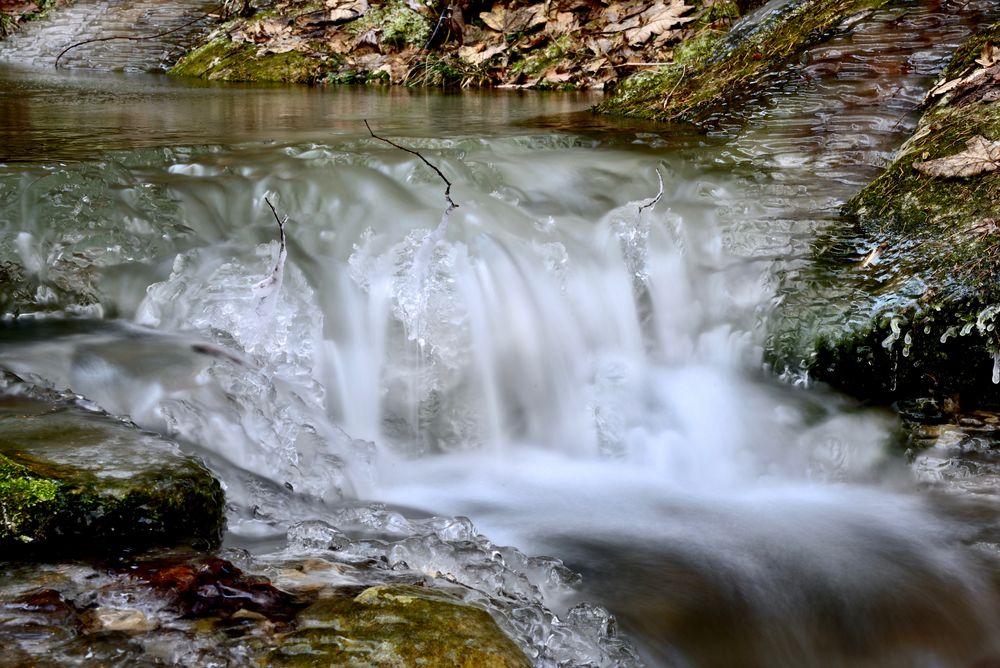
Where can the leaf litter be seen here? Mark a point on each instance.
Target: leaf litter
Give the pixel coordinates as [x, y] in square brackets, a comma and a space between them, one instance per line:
[580, 44]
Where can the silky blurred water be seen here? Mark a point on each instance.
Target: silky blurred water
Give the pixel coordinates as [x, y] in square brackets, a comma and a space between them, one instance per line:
[573, 367]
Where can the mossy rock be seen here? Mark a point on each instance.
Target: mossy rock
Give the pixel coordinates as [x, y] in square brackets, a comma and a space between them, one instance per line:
[76, 482]
[397, 627]
[223, 59]
[922, 288]
[15, 292]
[713, 68]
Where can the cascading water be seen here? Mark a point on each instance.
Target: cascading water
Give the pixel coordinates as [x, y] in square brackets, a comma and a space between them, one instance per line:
[574, 369]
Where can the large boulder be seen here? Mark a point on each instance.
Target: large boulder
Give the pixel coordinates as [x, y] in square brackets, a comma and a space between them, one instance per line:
[74, 480]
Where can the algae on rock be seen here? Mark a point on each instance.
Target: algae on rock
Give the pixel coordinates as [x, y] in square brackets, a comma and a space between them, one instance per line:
[84, 482]
[397, 626]
[223, 59]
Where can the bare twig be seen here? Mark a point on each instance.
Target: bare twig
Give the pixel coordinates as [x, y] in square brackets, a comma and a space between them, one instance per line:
[133, 38]
[267, 288]
[447, 190]
[650, 204]
[281, 225]
[445, 15]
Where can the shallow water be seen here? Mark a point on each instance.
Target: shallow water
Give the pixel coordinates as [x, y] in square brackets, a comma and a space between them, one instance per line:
[577, 373]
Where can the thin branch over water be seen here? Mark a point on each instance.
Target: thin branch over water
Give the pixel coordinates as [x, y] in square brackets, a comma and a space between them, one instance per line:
[447, 190]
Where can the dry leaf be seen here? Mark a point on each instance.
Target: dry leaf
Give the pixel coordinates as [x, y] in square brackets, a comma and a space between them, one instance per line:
[565, 22]
[553, 75]
[477, 55]
[284, 44]
[368, 38]
[979, 157]
[271, 28]
[617, 13]
[944, 87]
[989, 56]
[657, 19]
[630, 23]
[422, 9]
[345, 10]
[341, 43]
[531, 41]
[507, 21]
[599, 46]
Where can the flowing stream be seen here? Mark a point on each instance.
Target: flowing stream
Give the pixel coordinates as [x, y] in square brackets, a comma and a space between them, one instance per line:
[570, 365]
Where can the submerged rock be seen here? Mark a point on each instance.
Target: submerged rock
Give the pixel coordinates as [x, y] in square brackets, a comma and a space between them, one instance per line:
[918, 264]
[396, 626]
[184, 608]
[80, 481]
[714, 67]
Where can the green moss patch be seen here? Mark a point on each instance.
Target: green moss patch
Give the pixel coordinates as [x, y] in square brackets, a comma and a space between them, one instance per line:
[82, 482]
[713, 68]
[223, 59]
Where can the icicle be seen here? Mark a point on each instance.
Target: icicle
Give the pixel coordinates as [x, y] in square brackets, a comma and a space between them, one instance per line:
[996, 368]
[895, 326]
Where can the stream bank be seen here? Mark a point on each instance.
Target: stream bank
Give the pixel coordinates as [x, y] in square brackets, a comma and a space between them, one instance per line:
[918, 258]
[567, 44]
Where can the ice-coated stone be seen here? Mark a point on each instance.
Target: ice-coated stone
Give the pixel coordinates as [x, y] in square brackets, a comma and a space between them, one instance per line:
[75, 479]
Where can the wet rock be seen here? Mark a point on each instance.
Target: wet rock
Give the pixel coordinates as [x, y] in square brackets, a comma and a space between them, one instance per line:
[15, 292]
[196, 609]
[918, 262]
[77, 481]
[714, 67]
[114, 619]
[396, 626]
[213, 587]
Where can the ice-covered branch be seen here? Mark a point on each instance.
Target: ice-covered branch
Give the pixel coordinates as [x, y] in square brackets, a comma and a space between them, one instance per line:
[270, 286]
[650, 204]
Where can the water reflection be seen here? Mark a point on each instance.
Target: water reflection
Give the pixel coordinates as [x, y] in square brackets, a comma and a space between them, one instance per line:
[48, 115]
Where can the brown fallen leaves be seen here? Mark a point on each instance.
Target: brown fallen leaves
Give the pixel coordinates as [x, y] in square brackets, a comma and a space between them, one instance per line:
[520, 44]
[979, 81]
[979, 157]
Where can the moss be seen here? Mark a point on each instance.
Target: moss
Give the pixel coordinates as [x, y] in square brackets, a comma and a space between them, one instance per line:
[536, 63]
[923, 307]
[398, 24]
[8, 24]
[724, 12]
[15, 292]
[225, 60]
[715, 69]
[24, 499]
[396, 626]
[81, 482]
